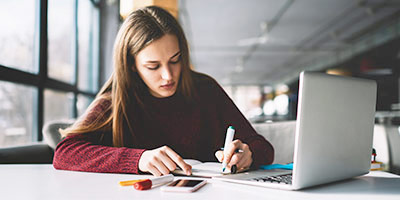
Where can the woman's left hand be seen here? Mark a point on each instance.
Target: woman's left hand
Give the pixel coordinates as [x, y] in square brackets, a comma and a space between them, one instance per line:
[241, 159]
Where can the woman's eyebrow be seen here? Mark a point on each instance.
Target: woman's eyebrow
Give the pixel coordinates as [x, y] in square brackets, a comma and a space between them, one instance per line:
[177, 53]
[155, 61]
[151, 61]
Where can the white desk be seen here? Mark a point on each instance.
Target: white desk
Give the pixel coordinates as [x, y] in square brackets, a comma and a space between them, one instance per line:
[44, 182]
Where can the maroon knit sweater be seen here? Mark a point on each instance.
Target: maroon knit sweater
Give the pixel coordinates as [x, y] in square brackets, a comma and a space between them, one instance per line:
[192, 130]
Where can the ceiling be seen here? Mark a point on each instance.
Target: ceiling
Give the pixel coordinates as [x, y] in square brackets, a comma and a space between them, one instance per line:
[285, 35]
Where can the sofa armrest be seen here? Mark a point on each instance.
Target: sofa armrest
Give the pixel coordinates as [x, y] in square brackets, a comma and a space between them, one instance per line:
[29, 154]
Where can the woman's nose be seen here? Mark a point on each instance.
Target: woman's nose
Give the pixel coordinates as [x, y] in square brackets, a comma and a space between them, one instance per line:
[166, 73]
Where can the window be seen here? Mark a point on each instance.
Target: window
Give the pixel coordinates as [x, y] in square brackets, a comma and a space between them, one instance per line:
[17, 109]
[88, 46]
[82, 103]
[246, 98]
[44, 74]
[17, 34]
[58, 105]
[61, 40]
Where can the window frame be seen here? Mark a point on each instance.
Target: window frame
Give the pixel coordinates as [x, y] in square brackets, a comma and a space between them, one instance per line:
[41, 80]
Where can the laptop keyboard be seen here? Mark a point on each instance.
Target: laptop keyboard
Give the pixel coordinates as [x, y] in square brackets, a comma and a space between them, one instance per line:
[285, 179]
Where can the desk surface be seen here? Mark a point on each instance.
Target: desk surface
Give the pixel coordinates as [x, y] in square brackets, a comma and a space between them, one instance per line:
[44, 182]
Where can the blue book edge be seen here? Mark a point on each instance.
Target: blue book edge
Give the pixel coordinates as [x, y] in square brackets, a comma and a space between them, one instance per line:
[277, 166]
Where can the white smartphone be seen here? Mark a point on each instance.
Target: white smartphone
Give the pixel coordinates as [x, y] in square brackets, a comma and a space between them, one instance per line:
[184, 185]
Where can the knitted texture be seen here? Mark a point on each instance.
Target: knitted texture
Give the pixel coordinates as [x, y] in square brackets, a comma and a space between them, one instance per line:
[192, 130]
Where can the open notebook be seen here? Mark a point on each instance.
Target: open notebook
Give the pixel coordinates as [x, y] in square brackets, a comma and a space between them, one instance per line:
[204, 169]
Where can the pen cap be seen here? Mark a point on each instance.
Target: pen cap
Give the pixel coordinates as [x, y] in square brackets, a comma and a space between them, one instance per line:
[143, 185]
[230, 131]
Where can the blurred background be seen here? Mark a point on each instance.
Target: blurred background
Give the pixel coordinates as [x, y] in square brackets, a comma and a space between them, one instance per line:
[56, 54]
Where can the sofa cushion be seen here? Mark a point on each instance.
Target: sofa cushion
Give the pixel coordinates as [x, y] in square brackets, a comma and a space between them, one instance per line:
[281, 136]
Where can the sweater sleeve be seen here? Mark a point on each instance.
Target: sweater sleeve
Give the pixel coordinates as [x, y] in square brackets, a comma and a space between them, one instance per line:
[262, 150]
[93, 152]
[81, 153]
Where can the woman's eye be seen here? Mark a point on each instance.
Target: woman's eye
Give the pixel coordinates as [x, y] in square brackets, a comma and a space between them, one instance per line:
[153, 67]
[175, 61]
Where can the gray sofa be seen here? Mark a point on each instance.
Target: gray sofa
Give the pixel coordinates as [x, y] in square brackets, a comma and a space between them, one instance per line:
[386, 142]
[38, 153]
[281, 136]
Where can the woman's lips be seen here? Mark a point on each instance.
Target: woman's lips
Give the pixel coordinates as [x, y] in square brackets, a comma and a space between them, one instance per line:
[168, 86]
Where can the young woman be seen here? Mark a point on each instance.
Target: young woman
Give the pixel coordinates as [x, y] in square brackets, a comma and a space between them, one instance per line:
[155, 110]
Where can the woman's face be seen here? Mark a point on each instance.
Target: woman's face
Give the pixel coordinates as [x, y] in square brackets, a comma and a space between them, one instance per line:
[159, 66]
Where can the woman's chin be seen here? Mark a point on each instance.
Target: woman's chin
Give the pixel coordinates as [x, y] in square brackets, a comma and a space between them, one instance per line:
[164, 94]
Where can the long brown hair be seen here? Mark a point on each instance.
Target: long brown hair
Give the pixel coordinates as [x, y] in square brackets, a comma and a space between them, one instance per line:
[140, 28]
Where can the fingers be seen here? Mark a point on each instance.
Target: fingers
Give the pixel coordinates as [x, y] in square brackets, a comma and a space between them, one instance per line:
[241, 160]
[244, 163]
[153, 170]
[230, 151]
[246, 158]
[162, 161]
[160, 166]
[166, 160]
[178, 160]
[219, 155]
[235, 159]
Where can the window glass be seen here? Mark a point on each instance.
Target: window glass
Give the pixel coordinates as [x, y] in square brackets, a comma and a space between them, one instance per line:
[246, 98]
[83, 103]
[282, 104]
[16, 114]
[17, 33]
[269, 107]
[61, 40]
[88, 46]
[57, 105]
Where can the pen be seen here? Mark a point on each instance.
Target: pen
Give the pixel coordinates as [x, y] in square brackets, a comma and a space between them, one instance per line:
[236, 151]
[230, 132]
[131, 182]
[148, 183]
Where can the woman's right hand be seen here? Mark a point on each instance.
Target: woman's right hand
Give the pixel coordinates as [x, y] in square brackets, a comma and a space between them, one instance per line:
[162, 161]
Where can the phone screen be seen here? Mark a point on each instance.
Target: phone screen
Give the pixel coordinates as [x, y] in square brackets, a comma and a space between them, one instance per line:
[185, 183]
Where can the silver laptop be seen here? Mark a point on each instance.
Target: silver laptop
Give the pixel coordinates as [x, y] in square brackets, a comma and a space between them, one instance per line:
[334, 130]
